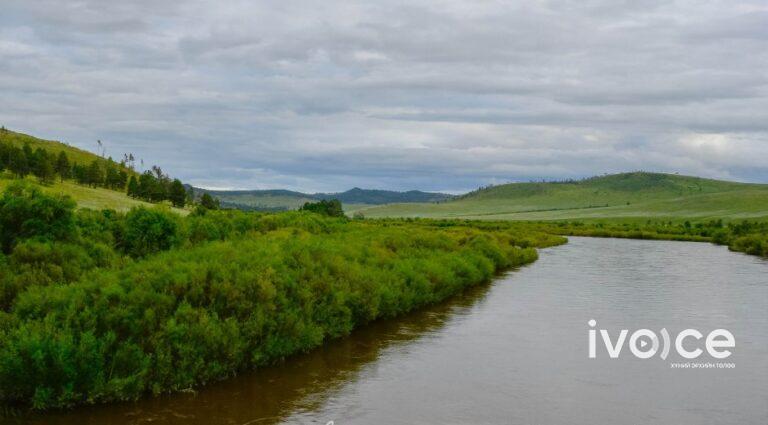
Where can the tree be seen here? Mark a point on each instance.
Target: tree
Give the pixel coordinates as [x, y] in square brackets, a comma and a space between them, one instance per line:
[191, 195]
[30, 157]
[5, 155]
[94, 175]
[177, 194]
[80, 173]
[208, 202]
[112, 177]
[26, 212]
[63, 168]
[146, 185]
[330, 208]
[18, 162]
[45, 169]
[149, 231]
[133, 187]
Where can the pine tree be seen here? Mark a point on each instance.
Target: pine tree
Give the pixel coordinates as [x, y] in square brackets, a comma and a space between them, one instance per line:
[94, 175]
[63, 168]
[19, 164]
[177, 194]
[45, 169]
[133, 187]
[208, 202]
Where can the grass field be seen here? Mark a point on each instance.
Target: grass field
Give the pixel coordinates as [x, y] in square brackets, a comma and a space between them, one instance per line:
[85, 196]
[266, 200]
[96, 198]
[621, 196]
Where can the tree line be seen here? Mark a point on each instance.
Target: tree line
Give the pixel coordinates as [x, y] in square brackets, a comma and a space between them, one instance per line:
[155, 186]
[152, 185]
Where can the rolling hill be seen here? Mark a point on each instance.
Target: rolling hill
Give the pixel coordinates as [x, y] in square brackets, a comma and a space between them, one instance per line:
[277, 200]
[627, 195]
[52, 146]
[85, 196]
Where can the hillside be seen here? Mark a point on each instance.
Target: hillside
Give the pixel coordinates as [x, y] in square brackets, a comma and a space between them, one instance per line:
[279, 199]
[96, 198]
[85, 196]
[75, 154]
[629, 195]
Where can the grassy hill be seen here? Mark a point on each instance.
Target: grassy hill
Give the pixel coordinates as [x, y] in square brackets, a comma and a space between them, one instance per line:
[85, 196]
[628, 195]
[52, 146]
[352, 199]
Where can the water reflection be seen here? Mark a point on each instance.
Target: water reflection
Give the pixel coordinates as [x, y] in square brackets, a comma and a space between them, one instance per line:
[268, 396]
[515, 352]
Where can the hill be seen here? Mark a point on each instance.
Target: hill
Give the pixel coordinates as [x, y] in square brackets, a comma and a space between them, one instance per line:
[76, 155]
[278, 199]
[627, 195]
[96, 198]
[85, 196]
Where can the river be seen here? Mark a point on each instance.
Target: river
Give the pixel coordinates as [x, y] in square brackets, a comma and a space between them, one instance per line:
[516, 352]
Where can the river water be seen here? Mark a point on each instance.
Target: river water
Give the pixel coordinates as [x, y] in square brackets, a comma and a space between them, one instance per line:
[516, 352]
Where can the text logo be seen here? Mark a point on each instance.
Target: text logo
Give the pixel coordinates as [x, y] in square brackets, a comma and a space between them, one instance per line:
[645, 343]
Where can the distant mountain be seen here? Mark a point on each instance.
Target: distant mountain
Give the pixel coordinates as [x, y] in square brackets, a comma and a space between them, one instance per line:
[379, 197]
[279, 199]
[636, 194]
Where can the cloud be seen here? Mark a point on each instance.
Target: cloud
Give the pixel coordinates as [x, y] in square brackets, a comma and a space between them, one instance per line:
[435, 95]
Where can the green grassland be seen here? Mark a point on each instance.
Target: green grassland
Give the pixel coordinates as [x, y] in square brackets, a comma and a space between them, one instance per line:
[96, 198]
[267, 200]
[621, 196]
[76, 155]
[86, 196]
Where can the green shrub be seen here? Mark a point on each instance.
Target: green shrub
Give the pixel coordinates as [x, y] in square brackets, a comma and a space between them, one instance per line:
[186, 317]
[26, 212]
[148, 231]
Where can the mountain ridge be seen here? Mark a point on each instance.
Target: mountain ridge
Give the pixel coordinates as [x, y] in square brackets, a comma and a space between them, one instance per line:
[283, 199]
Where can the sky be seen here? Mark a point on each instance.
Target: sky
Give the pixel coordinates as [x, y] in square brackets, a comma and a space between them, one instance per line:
[432, 95]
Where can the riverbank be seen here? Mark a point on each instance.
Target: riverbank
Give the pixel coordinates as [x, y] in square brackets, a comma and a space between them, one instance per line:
[748, 237]
[182, 318]
[497, 353]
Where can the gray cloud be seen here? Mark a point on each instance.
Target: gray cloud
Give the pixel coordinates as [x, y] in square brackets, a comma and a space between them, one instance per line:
[444, 95]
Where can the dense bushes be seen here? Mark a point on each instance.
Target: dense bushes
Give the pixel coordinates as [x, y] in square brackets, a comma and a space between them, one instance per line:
[191, 316]
[92, 310]
[331, 207]
[149, 231]
[25, 212]
[749, 237]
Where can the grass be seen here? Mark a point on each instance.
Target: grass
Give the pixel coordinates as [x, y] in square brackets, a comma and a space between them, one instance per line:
[621, 196]
[95, 198]
[289, 202]
[86, 197]
[74, 154]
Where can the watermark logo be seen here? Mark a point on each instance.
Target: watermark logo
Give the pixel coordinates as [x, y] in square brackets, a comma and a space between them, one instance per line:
[645, 343]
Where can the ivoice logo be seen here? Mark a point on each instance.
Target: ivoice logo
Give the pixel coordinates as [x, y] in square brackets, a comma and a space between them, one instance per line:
[644, 343]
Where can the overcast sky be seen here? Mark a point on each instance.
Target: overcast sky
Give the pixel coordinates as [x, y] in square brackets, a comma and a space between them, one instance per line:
[431, 95]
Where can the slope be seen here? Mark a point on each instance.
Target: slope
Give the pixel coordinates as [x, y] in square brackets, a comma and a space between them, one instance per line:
[638, 194]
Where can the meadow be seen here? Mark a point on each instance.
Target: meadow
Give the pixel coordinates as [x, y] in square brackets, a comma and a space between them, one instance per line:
[95, 198]
[620, 196]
